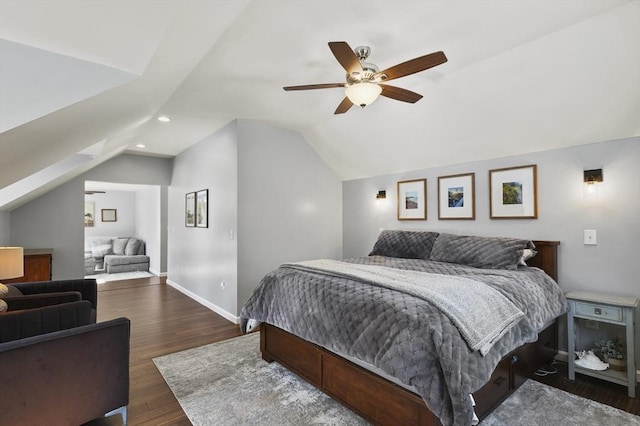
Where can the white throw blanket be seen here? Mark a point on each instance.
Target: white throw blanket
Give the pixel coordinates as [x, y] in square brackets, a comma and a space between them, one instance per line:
[481, 314]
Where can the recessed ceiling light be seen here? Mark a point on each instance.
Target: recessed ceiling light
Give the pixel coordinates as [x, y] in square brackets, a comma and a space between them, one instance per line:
[164, 119]
[141, 145]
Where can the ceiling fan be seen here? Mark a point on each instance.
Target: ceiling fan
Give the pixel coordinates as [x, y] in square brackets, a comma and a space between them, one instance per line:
[363, 85]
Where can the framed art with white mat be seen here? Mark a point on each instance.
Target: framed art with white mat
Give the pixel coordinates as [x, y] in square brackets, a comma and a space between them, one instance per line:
[513, 193]
[412, 199]
[456, 197]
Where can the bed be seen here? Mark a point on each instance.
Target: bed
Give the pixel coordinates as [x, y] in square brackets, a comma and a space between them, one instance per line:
[371, 334]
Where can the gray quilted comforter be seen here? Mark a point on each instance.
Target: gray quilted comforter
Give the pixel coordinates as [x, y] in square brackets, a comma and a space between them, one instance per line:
[406, 337]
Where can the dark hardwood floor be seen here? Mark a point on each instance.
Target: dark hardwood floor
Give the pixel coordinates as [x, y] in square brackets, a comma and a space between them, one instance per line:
[165, 321]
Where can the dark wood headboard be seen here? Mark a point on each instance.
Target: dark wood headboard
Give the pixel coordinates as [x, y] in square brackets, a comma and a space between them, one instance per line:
[547, 257]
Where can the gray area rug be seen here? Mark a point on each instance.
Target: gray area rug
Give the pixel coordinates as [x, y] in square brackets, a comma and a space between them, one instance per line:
[228, 383]
[538, 404]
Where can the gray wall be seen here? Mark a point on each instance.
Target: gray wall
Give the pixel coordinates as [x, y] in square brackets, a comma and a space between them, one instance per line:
[200, 259]
[5, 233]
[563, 213]
[124, 202]
[289, 204]
[271, 200]
[55, 220]
[148, 225]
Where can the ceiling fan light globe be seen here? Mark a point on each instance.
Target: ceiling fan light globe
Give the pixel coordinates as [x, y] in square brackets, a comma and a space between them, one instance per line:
[363, 94]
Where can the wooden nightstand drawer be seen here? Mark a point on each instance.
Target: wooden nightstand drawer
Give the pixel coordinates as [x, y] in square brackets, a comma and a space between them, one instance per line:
[611, 313]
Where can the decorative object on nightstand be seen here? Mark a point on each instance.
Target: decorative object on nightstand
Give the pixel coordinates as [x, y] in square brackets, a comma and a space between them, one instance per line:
[612, 352]
[607, 309]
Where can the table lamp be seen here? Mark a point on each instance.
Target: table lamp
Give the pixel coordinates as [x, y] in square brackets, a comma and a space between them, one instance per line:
[11, 263]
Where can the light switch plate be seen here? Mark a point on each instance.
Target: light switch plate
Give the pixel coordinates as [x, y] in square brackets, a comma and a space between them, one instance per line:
[590, 237]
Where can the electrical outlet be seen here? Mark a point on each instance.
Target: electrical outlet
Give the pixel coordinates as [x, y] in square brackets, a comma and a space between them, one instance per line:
[590, 237]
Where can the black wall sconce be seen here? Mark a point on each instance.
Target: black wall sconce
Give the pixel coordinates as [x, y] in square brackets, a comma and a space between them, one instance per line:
[381, 195]
[593, 176]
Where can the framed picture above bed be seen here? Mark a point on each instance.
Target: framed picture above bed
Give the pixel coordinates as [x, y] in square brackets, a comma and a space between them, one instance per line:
[513, 193]
[190, 210]
[412, 199]
[456, 197]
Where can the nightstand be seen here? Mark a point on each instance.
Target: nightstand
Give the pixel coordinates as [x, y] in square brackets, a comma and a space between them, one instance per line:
[612, 310]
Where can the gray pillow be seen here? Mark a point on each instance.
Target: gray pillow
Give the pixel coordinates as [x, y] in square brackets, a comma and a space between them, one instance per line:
[404, 244]
[480, 252]
[133, 245]
[119, 245]
[101, 250]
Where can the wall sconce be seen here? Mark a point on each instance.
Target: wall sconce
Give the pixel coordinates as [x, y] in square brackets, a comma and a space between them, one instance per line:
[591, 179]
[592, 176]
[381, 195]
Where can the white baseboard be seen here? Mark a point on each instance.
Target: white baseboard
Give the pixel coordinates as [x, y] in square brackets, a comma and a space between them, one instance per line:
[157, 273]
[218, 310]
[563, 356]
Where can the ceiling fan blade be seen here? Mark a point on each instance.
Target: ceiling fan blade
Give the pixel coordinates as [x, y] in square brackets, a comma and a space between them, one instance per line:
[412, 66]
[344, 106]
[345, 55]
[314, 86]
[400, 94]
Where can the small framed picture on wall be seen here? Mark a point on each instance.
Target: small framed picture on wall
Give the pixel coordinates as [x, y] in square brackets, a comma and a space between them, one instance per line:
[190, 210]
[412, 199]
[202, 208]
[456, 197]
[513, 193]
[109, 215]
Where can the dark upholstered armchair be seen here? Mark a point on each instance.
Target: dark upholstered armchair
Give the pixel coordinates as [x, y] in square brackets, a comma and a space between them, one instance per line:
[57, 366]
[44, 293]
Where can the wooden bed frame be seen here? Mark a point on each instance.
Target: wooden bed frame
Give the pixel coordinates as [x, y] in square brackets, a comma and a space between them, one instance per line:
[385, 403]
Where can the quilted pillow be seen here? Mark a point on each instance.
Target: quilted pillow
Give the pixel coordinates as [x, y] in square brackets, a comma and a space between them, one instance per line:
[133, 245]
[480, 252]
[404, 244]
[101, 247]
[119, 245]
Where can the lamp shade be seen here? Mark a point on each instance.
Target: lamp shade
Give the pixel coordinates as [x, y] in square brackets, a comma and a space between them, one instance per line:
[11, 262]
[363, 94]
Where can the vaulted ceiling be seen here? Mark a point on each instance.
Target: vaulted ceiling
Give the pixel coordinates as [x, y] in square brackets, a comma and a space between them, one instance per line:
[81, 82]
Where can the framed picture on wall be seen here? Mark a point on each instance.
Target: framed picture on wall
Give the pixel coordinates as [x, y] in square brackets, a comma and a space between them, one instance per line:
[412, 199]
[456, 197]
[202, 208]
[89, 213]
[513, 193]
[109, 215]
[190, 210]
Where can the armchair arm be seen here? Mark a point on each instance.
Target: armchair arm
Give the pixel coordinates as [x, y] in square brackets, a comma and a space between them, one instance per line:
[69, 376]
[41, 300]
[16, 325]
[87, 287]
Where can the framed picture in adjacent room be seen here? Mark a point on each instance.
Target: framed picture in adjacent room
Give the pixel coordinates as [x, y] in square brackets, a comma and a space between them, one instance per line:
[89, 213]
[190, 210]
[109, 215]
[456, 197]
[513, 193]
[412, 199]
[202, 208]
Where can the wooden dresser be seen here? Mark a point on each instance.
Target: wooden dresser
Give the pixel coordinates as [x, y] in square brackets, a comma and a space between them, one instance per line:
[37, 266]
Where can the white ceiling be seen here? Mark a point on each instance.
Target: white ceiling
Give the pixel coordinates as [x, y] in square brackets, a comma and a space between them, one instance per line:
[522, 76]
